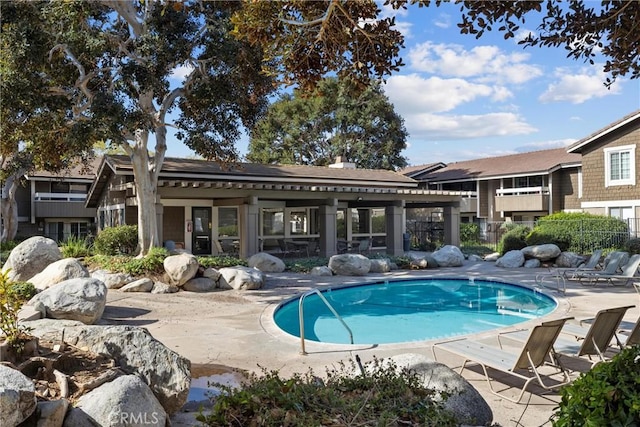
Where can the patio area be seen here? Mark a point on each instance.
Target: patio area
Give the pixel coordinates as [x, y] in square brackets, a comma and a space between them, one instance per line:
[235, 329]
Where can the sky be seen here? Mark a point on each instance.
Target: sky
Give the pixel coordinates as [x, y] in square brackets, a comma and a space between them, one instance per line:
[464, 98]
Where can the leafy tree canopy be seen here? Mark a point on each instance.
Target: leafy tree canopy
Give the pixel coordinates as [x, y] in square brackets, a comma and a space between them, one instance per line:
[336, 119]
[310, 38]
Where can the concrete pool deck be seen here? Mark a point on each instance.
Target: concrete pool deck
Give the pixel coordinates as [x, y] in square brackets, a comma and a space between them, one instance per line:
[235, 329]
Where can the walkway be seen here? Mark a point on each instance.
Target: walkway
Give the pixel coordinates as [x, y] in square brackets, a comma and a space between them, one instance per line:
[234, 328]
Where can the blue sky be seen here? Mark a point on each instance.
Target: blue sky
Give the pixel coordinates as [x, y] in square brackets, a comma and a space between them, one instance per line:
[463, 98]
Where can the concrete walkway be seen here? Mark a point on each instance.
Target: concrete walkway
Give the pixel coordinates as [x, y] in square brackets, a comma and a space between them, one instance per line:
[235, 329]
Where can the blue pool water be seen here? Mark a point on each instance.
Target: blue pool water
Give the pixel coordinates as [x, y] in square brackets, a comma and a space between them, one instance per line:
[413, 310]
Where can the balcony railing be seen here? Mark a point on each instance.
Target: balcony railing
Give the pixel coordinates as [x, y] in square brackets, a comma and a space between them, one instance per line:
[522, 199]
[60, 197]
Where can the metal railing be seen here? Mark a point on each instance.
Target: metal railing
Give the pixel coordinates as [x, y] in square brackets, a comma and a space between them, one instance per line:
[329, 306]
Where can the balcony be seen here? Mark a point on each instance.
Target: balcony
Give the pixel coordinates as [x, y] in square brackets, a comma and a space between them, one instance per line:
[522, 199]
[62, 205]
[469, 204]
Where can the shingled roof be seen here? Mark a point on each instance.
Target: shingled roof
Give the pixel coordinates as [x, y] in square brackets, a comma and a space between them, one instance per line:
[530, 163]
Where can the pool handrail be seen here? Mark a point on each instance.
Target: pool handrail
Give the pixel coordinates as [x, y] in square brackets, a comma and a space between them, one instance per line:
[301, 316]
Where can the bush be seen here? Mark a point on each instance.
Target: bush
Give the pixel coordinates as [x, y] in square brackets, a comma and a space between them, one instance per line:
[632, 246]
[514, 239]
[469, 232]
[384, 396]
[122, 240]
[220, 261]
[539, 237]
[12, 296]
[152, 264]
[75, 247]
[606, 395]
[584, 231]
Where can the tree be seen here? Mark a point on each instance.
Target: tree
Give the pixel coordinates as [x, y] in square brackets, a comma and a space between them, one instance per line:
[309, 39]
[107, 67]
[334, 120]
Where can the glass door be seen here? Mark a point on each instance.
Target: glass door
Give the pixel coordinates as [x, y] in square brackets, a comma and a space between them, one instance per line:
[201, 236]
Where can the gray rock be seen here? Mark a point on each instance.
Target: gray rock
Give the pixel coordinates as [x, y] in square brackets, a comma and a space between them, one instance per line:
[475, 258]
[199, 284]
[140, 285]
[512, 259]
[266, 263]
[31, 257]
[240, 277]
[164, 288]
[349, 265]
[135, 351]
[81, 299]
[125, 401]
[428, 261]
[180, 268]
[492, 257]
[467, 405]
[112, 280]
[51, 413]
[211, 273]
[322, 270]
[569, 260]
[532, 263]
[380, 265]
[544, 252]
[449, 256]
[59, 271]
[17, 396]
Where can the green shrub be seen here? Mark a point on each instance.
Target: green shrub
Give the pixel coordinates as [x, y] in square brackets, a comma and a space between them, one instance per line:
[469, 232]
[384, 396]
[632, 246]
[539, 237]
[150, 265]
[305, 265]
[514, 239]
[220, 261]
[75, 247]
[584, 231]
[606, 395]
[23, 290]
[122, 240]
[12, 296]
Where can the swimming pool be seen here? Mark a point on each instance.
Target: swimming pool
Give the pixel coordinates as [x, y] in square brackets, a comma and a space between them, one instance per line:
[397, 311]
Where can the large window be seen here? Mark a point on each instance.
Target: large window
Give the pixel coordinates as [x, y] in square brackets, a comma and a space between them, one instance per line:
[228, 222]
[620, 165]
[273, 222]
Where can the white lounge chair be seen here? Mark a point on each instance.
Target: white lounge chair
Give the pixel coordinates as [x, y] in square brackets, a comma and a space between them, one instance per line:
[609, 275]
[535, 352]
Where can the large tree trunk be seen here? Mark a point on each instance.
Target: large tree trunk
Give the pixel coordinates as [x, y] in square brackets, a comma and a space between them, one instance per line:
[145, 172]
[9, 209]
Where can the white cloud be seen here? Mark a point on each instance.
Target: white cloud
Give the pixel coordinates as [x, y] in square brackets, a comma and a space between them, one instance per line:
[488, 63]
[451, 127]
[578, 88]
[442, 21]
[179, 73]
[544, 145]
[412, 93]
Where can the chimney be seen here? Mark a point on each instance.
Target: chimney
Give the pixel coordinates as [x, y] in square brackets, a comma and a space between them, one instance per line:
[340, 164]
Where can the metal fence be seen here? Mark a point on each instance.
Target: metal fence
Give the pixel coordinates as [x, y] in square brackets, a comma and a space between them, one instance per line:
[588, 237]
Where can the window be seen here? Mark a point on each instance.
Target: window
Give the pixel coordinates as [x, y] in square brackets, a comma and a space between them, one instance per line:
[273, 222]
[299, 222]
[228, 222]
[620, 165]
[378, 221]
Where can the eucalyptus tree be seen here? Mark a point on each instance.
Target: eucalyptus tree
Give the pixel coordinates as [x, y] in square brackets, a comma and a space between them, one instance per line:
[123, 72]
[338, 118]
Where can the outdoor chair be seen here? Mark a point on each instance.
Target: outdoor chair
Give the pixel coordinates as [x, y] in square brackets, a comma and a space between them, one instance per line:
[592, 264]
[219, 248]
[631, 337]
[578, 341]
[364, 246]
[524, 364]
[609, 275]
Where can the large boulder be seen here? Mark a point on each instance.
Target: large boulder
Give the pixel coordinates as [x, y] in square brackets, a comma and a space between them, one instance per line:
[569, 260]
[449, 256]
[31, 257]
[59, 271]
[80, 299]
[350, 265]
[134, 350]
[51, 413]
[380, 265]
[512, 259]
[141, 285]
[266, 263]
[112, 280]
[240, 277]
[180, 268]
[321, 270]
[17, 396]
[199, 284]
[544, 252]
[464, 401]
[125, 401]
[428, 261]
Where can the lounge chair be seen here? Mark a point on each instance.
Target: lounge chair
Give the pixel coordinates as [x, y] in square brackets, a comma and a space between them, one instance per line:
[577, 341]
[632, 337]
[524, 365]
[591, 265]
[629, 271]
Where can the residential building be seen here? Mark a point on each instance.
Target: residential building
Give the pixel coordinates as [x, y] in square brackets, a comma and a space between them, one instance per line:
[610, 165]
[204, 207]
